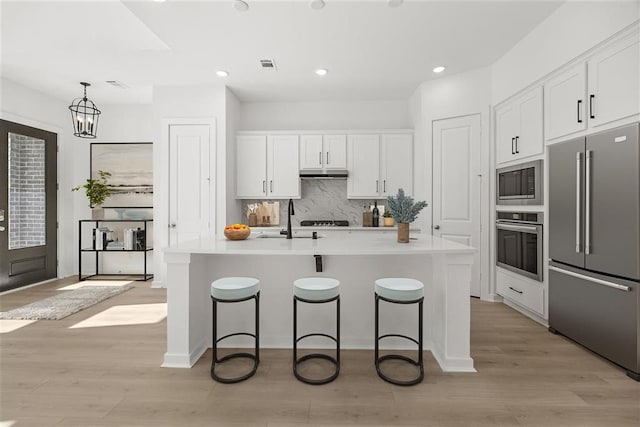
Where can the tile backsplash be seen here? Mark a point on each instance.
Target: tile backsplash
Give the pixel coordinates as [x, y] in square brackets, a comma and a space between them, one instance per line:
[322, 199]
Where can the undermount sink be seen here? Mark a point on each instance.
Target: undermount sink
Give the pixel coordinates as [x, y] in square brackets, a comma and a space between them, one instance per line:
[277, 235]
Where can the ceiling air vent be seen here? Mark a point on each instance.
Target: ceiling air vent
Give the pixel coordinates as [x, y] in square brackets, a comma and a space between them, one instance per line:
[117, 84]
[267, 64]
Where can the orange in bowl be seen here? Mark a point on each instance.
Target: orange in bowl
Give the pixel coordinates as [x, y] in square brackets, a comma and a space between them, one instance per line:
[237, 231]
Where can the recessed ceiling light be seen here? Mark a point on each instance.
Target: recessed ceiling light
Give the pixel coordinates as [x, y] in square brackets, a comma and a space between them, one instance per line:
[438, 69]
[322, 71]
[222, 73]
[241, 5]
[394, 3]
[159, 1]
[316, 4]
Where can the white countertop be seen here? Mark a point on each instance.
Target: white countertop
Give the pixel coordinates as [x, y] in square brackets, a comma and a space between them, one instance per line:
[334, 244]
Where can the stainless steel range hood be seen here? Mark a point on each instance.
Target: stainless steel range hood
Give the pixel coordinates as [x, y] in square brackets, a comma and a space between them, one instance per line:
[322, 174]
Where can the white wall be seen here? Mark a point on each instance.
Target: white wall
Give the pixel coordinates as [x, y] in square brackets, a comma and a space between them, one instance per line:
[232, 119]
[26, 106]
[175, 103]
[118, 123]
[453, 96]
[571, 30]
[325, 115]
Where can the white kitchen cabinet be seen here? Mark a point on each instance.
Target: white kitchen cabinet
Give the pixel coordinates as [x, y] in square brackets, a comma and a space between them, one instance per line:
[564, 103]
[604, 89]
[519, 127]
[379, 165]
[614, 82]
[323, 152]
[267, 167]
[521, 290]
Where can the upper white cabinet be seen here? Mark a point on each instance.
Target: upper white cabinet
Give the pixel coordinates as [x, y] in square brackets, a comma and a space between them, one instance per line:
[614, 82]
[519, 127]
[601, 90]
[267, 167]
[323, 152]
[379, 165]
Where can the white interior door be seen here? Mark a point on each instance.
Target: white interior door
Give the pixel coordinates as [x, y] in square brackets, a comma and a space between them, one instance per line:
[190, 212]
[457, 184]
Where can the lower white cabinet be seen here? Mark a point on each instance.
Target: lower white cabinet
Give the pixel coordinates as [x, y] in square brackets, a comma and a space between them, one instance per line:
[521, 290]
[267, 167]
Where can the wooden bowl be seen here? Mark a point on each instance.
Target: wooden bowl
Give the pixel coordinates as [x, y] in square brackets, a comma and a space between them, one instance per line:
[237, 234]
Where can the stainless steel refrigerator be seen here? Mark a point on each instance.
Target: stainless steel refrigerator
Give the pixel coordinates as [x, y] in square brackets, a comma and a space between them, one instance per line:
[594, 243]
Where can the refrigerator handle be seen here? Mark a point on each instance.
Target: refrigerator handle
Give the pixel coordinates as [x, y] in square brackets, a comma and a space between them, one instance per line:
[587, 204]
[578, 201]
[590, 279]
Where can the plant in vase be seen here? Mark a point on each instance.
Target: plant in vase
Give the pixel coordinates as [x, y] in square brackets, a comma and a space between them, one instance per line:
[388, 219]
[96, 191]
[404, 210]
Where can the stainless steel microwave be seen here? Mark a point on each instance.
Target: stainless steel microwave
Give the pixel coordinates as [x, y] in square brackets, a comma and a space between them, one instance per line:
[520, 184]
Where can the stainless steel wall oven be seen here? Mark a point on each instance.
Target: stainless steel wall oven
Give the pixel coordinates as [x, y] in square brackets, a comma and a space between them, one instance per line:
[520, 184]
[519, 243]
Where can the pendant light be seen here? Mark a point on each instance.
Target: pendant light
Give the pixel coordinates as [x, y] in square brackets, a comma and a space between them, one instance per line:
[84, 115]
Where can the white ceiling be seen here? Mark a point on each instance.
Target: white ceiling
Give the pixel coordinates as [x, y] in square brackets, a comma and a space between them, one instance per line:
[372, 51]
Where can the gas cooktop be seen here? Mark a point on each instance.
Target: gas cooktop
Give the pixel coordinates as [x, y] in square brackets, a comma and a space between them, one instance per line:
[324, 223]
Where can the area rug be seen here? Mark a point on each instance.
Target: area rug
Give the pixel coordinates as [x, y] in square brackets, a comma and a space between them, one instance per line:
[67, 303]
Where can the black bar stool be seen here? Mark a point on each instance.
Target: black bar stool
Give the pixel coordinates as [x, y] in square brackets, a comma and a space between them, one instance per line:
[316, 290]
[230, 290]
[399, 291]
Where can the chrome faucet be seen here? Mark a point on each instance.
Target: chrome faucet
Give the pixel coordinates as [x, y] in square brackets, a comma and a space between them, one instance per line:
[290, 211]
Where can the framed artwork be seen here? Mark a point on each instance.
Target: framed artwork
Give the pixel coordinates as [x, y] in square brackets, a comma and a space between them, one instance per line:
[131, 167]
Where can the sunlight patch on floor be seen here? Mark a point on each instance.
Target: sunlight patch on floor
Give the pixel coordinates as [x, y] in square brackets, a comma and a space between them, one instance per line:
[122, 315]
[7, 423]
[10, 325]
[94, 283]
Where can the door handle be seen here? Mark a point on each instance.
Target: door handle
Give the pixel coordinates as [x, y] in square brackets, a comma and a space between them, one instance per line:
[587, 204]
[591, 115]
[172, 225]
[512, 149]
[264, 186]
[384, 186]
[271, 186]
[327, 157]
[320, 158]
[579, 118]
[578, 201]
[436, 227]
[517, 151]
[377, 186]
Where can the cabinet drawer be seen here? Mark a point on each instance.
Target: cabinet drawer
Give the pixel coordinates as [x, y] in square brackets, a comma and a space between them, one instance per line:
[520, 291]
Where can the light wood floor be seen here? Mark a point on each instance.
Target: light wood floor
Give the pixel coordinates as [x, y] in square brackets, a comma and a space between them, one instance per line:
[51, 375]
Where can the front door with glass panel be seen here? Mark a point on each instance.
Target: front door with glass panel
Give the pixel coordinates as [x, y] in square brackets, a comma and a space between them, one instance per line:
[28, 200]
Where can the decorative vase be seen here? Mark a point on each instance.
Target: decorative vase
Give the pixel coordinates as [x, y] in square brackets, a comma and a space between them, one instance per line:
[403, 232]
[97, 213]
[388, 221]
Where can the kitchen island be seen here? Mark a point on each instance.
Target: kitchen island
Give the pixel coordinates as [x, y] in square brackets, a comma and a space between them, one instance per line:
[355, 259]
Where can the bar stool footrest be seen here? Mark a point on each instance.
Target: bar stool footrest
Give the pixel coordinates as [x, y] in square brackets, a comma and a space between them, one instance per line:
[235, 356]
[316, 356]
[414, 381]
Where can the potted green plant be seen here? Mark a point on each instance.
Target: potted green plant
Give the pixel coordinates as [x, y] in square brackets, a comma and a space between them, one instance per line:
[387, 219]
[404, 210]
[97, 192]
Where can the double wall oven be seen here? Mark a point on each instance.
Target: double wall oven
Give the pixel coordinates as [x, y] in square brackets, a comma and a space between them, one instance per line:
[519, 234]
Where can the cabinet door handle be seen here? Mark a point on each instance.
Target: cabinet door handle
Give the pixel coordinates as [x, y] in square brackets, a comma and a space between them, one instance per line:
[591, 115]
[377, 186]
[320, 158]
[517, 150]
[512, 149]
[515, 290]
[327, 157]
[271, 186]
[264, 186]
[384, 186]
[579, 105]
